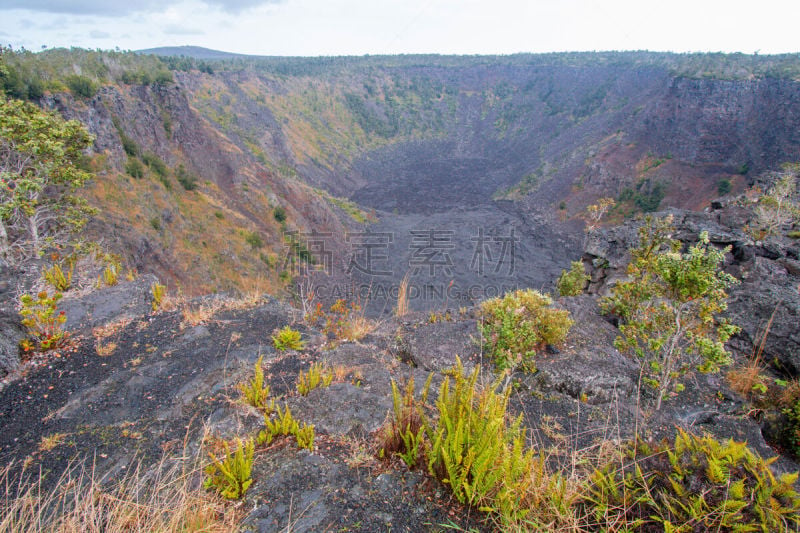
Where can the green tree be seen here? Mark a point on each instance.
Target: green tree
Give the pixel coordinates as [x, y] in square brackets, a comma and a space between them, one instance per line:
[669, 306]
[40, 156]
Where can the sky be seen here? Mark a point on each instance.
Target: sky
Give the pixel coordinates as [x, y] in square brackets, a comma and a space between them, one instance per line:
[358, 27]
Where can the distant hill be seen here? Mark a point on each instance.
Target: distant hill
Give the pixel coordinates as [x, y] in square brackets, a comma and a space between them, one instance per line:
[196, 52]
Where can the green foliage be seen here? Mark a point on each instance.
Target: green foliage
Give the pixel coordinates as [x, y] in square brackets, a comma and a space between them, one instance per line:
[287, 339]
[723, 186]
[791, 432]
[285, 424]
[187, 180]
[779, 206]
[41, 167]
[404, 435]
[476, 451]
[157, 292]
[515, 326]
[111, 274]
[231, 475]
[43, 320]
[572, 282]
[646, 196]
[318, 375]
[58, 279]
[134, 168]
[696, 484]
[253, 239]
[255, 392]
[795, 234]
[81, 86]
[669, 306]
[280, 214]
[157, 165]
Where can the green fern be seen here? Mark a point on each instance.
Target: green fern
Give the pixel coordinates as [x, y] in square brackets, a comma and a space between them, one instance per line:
[287, 339]
[695, 484]
[230, 476]
[318, 375]
[255, 392]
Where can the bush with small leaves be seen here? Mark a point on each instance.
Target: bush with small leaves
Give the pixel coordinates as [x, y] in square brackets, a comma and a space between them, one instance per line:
[573, 282]
[43, 320]
[230, 476]
[288, 339]
[515, 326]
[694, 484]
[670, 306]
[134, 168]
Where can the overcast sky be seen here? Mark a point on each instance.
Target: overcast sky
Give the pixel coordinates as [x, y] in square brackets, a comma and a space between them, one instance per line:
[357, 27]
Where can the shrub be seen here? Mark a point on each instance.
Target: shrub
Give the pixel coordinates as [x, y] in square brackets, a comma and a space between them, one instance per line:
[255, 392]
[155, 163]
[670, 306]
[43, 320]
[573, 282]
[134, 168]
[723, 186]
[81, 86]
[187, 180]
[318, 375]
[253, 239]
[287, 339]
[280, 214]
[157, 292]
[515, 326]
[230, 476]
[793, 234]
[695, 484]
[129, 145]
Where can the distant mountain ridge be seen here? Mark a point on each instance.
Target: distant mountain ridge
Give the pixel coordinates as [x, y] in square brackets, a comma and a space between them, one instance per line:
[195, 52]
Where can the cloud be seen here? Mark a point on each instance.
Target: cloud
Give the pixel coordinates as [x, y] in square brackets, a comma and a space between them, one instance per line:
[97, 34]
[115, 8]
[177, 29]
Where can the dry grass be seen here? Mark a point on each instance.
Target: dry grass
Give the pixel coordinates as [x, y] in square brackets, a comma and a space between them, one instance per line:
[51, 441]
[748, 378]
[357, 326]
[166, 498]
[402, 296]
[104, 350]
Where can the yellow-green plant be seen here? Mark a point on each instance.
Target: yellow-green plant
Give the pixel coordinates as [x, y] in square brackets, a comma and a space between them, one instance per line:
[670, 306]
[58, 279]
[43, 320]
[695, 484]
[157, 292]
[475, 450]
[305, 437]
[230, 476]
[318, 375]
[404, 435]
[285, 424]
[515, 326]
[288, 339]
[573, 281]
[255, 392]
[110, 275]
